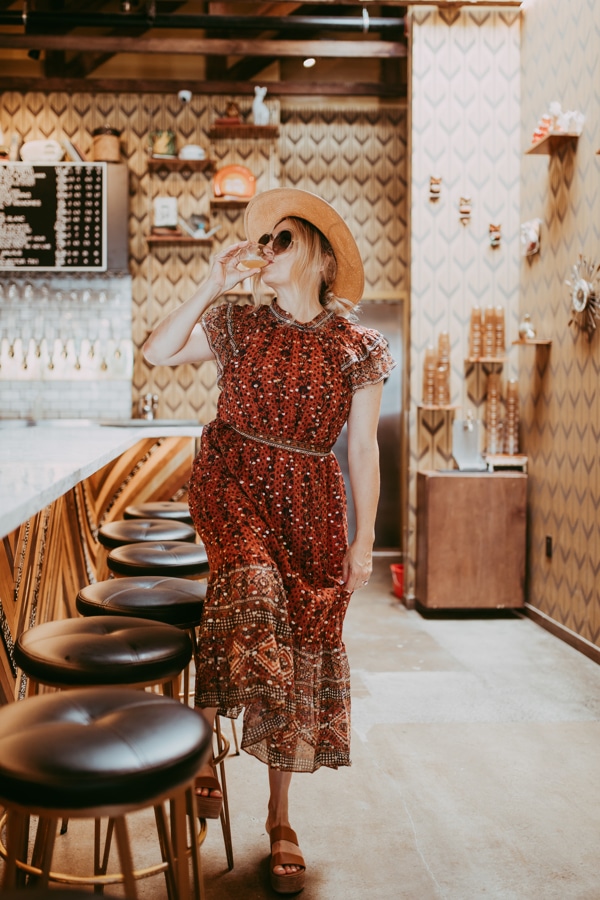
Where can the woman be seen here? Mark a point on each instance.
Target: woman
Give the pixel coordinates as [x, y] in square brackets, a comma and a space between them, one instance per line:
[267, 494]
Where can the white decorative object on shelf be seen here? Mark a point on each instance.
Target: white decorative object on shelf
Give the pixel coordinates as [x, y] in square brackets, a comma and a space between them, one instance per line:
[530, 237]
[260, 110]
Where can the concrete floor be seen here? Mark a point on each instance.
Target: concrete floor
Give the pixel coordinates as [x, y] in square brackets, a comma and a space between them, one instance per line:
[476, 771]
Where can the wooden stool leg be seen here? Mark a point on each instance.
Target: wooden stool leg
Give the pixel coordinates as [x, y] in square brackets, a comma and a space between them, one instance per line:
[125, 858]
[178, 836]
[222, 750]
[195, 841]
[43, 850]
[17, 838]
[166, 850]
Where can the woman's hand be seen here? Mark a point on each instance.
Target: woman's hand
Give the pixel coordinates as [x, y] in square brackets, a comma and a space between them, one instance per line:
[225, 273]
[357, 567]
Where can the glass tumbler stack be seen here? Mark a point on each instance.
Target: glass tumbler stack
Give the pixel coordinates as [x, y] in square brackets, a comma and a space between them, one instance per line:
[511, 422]
[436, 373]
[493, 423]
[475, 335]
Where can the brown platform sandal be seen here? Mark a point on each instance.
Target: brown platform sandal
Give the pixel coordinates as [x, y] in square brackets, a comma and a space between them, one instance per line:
[208, 807]
[292, 883]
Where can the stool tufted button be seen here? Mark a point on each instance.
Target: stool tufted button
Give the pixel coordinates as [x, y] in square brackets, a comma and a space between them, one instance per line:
[157, 597]
[97, 747]
[159, 509]
[159, 558]
[103, 650]
[132, 531]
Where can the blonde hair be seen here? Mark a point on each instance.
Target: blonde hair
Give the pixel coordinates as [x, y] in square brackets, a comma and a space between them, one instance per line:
[314, 263]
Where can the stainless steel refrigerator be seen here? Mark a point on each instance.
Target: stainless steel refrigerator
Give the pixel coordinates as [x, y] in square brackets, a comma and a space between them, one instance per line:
[386, 317]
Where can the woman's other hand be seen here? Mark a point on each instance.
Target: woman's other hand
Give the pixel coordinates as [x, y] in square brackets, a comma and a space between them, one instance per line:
[357, 567]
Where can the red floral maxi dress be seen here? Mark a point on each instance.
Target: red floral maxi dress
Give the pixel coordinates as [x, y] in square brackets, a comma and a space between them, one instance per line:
[268, 500]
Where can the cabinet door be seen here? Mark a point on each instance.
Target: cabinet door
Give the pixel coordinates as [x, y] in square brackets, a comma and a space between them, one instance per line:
[471, 540]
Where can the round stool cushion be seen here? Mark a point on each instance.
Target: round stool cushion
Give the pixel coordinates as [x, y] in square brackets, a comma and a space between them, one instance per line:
[173, 600]
[159, 509]
[98, 747]
[103, 650]
[159, 558]
[132, 531]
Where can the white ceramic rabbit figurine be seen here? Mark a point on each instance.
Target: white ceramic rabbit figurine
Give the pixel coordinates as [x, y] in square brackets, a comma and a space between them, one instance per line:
[260, 110]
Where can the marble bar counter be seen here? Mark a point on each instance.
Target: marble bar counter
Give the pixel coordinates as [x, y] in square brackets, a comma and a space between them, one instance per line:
[60, 481]
[40, 461]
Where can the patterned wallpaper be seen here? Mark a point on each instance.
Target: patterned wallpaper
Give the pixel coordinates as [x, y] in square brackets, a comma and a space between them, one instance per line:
[465, 87]
[354, 157]
[559, 387]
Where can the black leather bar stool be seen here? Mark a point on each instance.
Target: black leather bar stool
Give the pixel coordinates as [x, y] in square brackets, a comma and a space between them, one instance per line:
[175, 558]
[133, 531]
[177, 601]
[159, 509]
[104, 650]
[94, 753]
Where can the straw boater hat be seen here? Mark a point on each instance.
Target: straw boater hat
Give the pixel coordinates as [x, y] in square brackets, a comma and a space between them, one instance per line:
[266, 210]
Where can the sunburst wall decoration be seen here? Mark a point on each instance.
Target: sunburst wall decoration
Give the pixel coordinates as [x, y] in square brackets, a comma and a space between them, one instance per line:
[585, 296]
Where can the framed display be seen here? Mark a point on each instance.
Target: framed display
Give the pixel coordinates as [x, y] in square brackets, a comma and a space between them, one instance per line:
[53, 216]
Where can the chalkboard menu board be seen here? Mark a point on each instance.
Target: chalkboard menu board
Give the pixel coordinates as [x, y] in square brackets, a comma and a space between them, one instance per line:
[53, 216]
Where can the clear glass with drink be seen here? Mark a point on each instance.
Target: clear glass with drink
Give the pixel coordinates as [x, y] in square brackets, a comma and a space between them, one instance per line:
[252, 256]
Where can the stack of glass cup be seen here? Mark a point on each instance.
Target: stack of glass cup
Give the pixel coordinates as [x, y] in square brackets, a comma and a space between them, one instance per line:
[511, 422]
[487, 339]
[436, 373]
[493, 423]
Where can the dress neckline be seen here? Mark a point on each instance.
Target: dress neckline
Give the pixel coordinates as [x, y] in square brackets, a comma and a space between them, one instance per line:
[288, 318]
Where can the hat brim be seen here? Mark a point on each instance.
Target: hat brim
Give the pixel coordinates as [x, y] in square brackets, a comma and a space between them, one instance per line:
[265, 210]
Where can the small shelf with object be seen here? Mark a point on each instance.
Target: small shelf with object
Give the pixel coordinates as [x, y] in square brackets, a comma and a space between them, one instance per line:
[437, 407]
[175, 164]
[178, 238]
[551, 142]
[533, 342]
[243, 130]
[486, 360]
[229, 202]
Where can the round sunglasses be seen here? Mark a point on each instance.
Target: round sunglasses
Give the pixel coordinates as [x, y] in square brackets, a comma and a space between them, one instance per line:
[281, 242]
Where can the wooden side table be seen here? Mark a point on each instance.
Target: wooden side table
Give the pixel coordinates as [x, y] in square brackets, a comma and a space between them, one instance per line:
[471, 539]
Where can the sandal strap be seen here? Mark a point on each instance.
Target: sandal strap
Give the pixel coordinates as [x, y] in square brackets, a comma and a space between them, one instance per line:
[207, 781]
[285, 857]
[283, 833]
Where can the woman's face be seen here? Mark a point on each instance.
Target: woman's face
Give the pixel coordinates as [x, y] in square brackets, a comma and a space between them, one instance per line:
[279, 270]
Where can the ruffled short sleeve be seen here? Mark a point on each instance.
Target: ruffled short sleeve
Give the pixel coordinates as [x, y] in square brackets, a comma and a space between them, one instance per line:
[368, 359]
[218, 325]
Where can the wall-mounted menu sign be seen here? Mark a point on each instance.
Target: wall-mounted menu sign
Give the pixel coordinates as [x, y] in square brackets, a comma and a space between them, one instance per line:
[53, 216]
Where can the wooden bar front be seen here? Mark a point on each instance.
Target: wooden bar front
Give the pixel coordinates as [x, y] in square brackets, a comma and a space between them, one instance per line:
[471, 539]
[53, 554]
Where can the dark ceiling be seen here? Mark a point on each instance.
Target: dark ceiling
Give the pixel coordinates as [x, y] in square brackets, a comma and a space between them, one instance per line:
[360, 48]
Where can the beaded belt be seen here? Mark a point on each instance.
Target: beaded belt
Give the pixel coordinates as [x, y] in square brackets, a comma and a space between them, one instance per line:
[281, 445]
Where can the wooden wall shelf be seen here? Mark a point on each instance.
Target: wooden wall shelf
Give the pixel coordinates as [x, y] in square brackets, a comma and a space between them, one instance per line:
[486, 359]
[534, 342]
[244, 131]
[228, 202]
[179, 165]
[437, 407]
[178, 239]
[550, 143]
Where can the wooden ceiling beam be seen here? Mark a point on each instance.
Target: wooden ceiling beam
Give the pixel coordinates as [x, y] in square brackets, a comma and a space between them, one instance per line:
[199, 88]
[207, 47]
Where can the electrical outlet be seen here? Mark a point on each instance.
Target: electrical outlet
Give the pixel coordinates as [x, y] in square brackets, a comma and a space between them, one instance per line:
[549, 546]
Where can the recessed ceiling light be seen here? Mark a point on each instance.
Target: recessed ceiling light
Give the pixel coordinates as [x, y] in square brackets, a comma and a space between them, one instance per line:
[309, 62]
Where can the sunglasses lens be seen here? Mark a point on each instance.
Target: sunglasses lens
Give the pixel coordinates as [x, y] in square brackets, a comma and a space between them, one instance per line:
[264, 239]
[282, 241]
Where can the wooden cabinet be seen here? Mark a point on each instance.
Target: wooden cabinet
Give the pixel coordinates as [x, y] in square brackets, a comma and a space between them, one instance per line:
[471, 539]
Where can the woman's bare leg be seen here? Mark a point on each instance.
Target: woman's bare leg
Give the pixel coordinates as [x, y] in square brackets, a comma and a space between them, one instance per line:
[279, 783]
[207, 770]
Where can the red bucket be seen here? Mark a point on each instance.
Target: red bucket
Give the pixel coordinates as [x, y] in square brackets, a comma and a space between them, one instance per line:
[397, 570]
